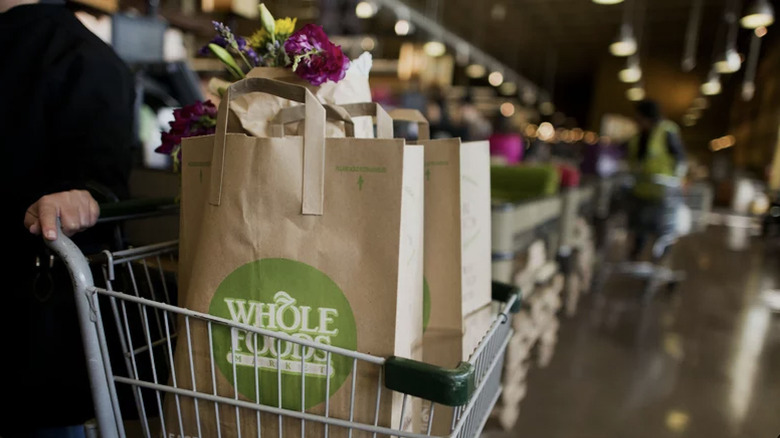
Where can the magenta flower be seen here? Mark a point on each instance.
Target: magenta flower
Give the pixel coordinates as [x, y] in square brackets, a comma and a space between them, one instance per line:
[199, 118]
[315, 58]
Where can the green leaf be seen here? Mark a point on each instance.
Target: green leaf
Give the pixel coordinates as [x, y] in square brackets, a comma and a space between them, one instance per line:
[227, 59]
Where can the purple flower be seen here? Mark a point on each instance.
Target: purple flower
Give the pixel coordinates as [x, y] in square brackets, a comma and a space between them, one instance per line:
[247, 50]
[199, 118]
[227, 40]
[308, 39]
[316, 58]
[218, 40]
[226, 33]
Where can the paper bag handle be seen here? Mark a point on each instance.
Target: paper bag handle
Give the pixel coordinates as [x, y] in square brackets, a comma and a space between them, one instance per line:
[313, 139]
[384, 123]
[414, 116]
[297, 113]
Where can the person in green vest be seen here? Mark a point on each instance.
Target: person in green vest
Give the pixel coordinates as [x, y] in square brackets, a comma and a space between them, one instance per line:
[657, 159]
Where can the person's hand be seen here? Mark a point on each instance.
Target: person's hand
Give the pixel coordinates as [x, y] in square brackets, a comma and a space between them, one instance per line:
[76, 209]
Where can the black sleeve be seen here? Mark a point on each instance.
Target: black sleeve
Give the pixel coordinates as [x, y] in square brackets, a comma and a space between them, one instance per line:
[92, 123]
[675, 147]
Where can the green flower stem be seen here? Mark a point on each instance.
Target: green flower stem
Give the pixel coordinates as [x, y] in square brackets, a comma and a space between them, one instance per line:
[244, 58]
[306, 55]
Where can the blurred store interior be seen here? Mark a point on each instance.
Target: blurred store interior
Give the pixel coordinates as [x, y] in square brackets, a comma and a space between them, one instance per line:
[691, 349]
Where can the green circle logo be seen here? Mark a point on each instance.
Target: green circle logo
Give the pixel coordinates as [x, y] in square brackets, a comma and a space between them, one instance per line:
[289, 297]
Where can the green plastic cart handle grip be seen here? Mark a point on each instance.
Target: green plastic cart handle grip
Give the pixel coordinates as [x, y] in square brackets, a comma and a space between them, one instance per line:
[503, 292]
[451, 387]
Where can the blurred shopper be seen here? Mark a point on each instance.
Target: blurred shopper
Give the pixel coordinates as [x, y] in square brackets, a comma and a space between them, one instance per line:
[657, 159]
[66, 119]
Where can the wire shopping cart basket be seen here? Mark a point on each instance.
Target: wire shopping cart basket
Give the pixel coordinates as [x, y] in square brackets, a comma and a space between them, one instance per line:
[130, 340]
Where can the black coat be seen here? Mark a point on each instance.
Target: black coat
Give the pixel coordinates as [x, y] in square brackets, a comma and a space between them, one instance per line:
[66, 121]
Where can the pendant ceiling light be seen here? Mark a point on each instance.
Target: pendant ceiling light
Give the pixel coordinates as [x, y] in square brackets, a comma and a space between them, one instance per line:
[496, 78]
[434, 48]
[625, 45]
[635, 93]
[632, 72]
[712, 86]
[402, 27]
[508, 88]
[749, 82]
[758, 13]
[366, 9]
[607, 2]
[692, 36]
[475, 71]
[728, 62]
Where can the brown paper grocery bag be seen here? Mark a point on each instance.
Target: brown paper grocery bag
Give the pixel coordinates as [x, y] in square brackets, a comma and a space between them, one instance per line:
[191, 201]
[457, 252]
[330, 227]
[253, 112]
[457, 218]
[457, 225]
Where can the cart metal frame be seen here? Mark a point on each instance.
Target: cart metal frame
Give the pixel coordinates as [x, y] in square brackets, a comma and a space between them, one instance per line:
[471, 389]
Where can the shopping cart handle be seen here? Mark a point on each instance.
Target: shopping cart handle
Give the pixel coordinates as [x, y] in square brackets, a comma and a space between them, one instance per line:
[451, 387]
[86, 305]
[137, 208]
[503, 292]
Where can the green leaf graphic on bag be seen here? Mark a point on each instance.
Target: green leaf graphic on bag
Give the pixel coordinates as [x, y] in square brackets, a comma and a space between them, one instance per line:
[290, 297]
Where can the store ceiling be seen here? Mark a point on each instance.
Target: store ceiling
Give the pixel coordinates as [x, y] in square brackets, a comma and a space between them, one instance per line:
[571, 38]
[578, 31]
[571, 35]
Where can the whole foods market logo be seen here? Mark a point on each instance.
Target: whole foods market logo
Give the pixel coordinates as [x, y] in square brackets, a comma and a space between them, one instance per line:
[272, 316]
[289, 297]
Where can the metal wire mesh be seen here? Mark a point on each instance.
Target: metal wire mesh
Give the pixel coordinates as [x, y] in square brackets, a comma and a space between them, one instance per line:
[160, 366]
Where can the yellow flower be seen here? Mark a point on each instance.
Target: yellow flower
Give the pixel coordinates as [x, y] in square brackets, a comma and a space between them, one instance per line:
[285, 27]
[259, 38]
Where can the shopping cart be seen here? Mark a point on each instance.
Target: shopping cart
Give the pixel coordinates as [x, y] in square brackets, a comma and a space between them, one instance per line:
[130, 338]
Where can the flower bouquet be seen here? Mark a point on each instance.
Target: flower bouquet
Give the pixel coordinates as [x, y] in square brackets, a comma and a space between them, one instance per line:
[276, 51]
